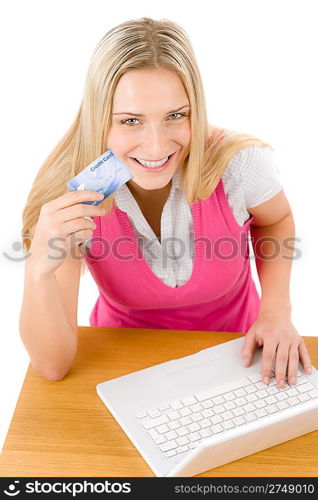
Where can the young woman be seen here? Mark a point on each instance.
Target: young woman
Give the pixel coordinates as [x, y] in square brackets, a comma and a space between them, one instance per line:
[170, 248]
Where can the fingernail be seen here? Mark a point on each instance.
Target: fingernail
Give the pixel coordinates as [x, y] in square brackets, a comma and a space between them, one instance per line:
[100, 195]
[282, 384]
[245, 360]
[309, 370]
[293, 380]
[265, 380]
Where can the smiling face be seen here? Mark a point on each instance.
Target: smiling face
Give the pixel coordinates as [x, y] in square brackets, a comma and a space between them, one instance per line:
[150, 121]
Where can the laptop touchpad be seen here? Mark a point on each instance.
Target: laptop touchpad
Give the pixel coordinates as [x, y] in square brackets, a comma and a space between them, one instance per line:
[189, 376]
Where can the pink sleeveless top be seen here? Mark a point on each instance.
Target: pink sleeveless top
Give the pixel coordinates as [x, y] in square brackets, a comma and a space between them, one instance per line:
[219, 296]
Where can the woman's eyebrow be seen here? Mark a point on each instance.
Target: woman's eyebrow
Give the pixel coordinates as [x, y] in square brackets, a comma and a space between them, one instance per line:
[139, 114]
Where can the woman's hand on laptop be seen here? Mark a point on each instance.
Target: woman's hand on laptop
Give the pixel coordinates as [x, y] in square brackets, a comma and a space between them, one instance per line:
[278, 336]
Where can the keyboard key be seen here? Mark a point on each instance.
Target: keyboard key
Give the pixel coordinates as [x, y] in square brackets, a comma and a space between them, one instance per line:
[228, 425]
[162, 429]
[249, 407]
[205, 433]
[260, 403]
[171, 435]
[194, 436]
[238, 411]
[273, 390]
[270, 400]
[160, 440]
[185, 411]
[261, 385]
[216, 419]
[240, 392]
[205, 423]
[229, 396]
[194, 427]
[218, 400]
[304, 397]
[255, 378]
[217, 428]
[241, 401]
[189, 401]
[293, 401]
[207, 404]
[174, 425]
[169, 445]
[262, 394]
[292, 392]
[249, 417]
[183, 431]
[272, 409]
[164, 406]
[153, 433]
[217, 391]
[261, 413]
[282, 405]
[154, 422]
[176, 405]
[142, 414]
[301, 380]
[251, 398]
[305, 387]
[272, 382]
[208, 413]
[154, 413]
[182, 440]
[182, 449]
[250, 389]
[185, 421]
[239, 420]
[313, 394]
[196, 407]
[197, 416]
[219, 409]
[170, 453]
[227, 415]
[173, 415]
[281, 396]
[229, 405]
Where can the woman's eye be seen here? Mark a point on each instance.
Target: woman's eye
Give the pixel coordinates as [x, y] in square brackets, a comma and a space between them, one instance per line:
[125, 122]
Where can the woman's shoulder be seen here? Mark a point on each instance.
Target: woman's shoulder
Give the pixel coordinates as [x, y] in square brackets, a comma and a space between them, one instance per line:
[250, 161]
[253, 172]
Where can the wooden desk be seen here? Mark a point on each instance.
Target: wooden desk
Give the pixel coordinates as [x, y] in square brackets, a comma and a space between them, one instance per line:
[63, 428]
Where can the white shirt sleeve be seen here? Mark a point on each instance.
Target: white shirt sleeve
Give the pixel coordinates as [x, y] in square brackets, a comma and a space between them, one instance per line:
[250, 179]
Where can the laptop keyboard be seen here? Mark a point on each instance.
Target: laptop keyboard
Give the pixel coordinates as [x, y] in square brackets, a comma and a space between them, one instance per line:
[179, 426]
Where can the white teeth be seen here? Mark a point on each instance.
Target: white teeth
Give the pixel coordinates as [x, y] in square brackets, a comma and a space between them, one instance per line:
[152, 163]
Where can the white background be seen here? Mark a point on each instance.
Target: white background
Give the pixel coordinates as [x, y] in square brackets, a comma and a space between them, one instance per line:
[258, 63]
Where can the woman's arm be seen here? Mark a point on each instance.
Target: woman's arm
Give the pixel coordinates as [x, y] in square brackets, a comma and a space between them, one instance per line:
[273, 233]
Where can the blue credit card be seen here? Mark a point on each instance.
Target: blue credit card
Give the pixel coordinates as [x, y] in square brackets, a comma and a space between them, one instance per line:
[104, 175]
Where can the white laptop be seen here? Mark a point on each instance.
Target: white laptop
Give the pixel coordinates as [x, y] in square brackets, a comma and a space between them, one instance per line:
[192, 414]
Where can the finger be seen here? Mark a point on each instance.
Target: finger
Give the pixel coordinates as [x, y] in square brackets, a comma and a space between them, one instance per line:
[269, 351]
[304, 356]
[293, 364]
[73, 197]
[250, 343]
[76, 225]
[80, 210]
[282, 354]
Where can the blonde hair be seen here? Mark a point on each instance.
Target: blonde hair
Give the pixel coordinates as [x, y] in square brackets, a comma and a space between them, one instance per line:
[143, 43]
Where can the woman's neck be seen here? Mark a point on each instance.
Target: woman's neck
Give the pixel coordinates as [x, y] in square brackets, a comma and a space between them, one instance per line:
[149, 197]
